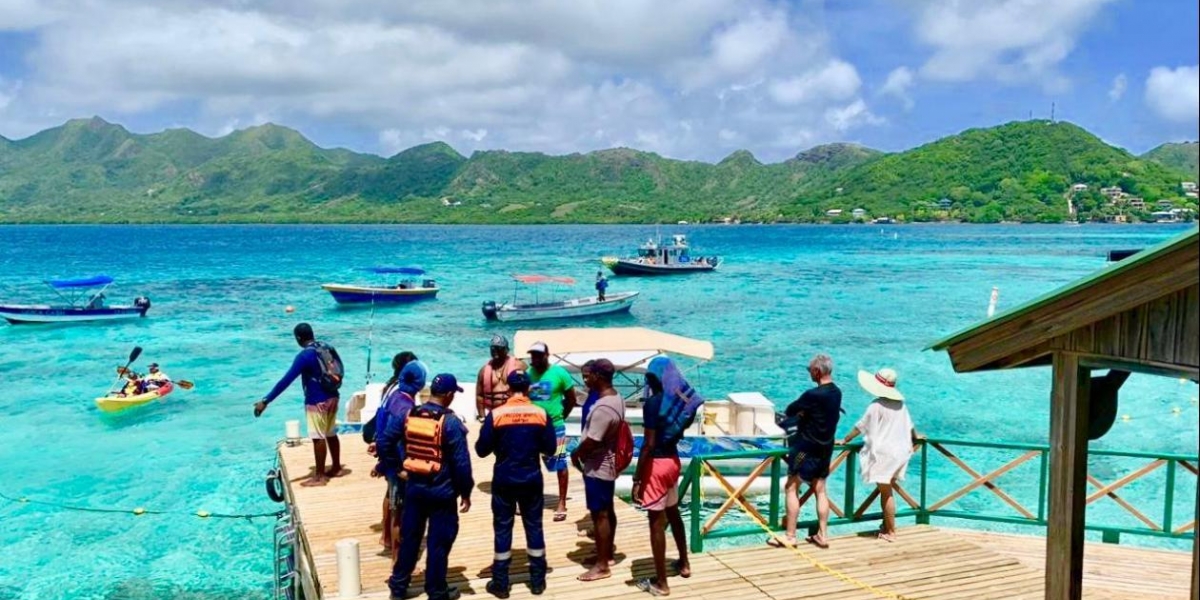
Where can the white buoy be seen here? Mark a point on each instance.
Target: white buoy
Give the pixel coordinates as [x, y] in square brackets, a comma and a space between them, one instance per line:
[992, 302]
[349, 576]
[292, 432]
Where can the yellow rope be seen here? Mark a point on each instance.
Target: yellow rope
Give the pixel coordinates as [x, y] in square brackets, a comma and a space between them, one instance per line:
[882, 593]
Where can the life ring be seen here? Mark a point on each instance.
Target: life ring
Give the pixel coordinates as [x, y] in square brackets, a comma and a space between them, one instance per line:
[275, 485]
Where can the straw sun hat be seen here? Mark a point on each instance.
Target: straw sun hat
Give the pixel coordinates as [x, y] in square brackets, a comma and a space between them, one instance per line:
[881, 384]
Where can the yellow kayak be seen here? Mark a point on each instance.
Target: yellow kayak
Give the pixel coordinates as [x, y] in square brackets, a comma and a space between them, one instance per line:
[116, 403]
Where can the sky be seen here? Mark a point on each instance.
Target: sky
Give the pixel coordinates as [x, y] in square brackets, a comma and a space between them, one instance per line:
[688, 79]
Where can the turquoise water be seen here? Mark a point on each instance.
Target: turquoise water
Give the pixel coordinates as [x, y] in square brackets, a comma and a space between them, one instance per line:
[871, 297]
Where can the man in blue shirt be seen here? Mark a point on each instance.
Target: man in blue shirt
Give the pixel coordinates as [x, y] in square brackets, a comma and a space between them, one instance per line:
[437, 475]
[320, 406]
[517, 432]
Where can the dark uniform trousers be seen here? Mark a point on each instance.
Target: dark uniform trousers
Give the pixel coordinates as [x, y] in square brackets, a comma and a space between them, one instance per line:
[442, 518]
[505, 500]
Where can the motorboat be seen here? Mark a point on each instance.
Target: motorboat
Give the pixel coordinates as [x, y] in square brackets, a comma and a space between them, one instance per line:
[82, 299]
[570, 308]
[657, 258]
[407, 285]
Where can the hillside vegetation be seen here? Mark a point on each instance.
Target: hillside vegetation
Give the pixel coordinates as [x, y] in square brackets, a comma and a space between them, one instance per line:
[1183, 157]
[90, 170]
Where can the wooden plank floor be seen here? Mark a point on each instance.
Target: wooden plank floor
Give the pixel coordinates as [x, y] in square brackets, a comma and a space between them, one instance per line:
[925, 562]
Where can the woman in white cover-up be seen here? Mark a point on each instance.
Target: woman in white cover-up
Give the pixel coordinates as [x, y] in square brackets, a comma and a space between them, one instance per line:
[890, 435]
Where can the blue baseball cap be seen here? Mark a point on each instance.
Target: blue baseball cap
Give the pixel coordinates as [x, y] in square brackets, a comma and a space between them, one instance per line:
[519, 378]
[444, 383]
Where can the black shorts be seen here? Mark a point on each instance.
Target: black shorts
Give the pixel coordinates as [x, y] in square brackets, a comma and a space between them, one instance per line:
[395, 493]
[809, 466]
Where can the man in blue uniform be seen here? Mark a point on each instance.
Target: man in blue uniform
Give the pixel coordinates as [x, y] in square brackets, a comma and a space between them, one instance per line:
[428, 446]
[517, 432]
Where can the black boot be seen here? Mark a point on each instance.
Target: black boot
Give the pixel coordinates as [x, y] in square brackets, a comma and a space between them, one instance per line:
[537, 575]
[499, 586]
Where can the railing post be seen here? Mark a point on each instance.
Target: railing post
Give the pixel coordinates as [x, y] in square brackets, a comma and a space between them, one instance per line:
[922, 513]
[1043, 479]
[694, 474]
[851, 472]
[773, 510]
[1109, 536]
[1169, 501]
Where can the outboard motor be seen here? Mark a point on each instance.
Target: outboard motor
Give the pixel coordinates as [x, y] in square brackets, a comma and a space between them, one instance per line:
[490, 309]
[142, 303]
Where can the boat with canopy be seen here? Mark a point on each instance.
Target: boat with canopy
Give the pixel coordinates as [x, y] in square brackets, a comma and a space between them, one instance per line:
[657, 258]
[405, 284]
[555, 309]
[82, 299]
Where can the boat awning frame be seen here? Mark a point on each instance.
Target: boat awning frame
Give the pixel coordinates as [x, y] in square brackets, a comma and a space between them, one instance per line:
[82, 282]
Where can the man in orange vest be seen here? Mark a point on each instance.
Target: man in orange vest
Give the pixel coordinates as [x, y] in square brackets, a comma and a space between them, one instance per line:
[517, 433]
[491, 386]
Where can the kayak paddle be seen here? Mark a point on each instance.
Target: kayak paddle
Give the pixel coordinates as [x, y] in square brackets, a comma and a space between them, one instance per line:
[137, 351]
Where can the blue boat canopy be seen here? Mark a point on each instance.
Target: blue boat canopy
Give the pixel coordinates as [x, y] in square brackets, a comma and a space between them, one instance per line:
[395, 270]
[82, 282]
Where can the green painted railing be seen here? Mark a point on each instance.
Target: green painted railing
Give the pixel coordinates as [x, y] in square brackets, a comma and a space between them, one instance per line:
[934, 493]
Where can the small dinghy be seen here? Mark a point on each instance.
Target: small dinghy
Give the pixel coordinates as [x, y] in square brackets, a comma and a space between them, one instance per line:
[406, 288]
[571, 308]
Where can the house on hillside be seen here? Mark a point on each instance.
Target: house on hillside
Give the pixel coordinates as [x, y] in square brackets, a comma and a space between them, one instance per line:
[1135, 202]
[1188, 186]
[1112, 192]
[833, 212]
[1079, 187]
[945, 203]
[859, 213]
[1165, 204]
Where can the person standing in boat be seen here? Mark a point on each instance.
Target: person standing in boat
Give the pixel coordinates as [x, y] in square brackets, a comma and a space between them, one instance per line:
[517, 433]
[601, 286]
[428, 448]
[320, 402]
[491, 385]
[814, 415]
[890, 436]
[667, 414]
[554, 391]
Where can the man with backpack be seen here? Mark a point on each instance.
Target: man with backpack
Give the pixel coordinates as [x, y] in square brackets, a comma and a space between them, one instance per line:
[517, 432]
[667, 414]
[428, 447]
[321, 372]
[602, 456]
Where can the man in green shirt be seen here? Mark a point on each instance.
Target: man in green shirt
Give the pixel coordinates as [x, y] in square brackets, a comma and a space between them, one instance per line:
[553, 390]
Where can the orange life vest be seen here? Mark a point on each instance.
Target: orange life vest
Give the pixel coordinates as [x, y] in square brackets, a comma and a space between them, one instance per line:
[519, 410]
[423, 441]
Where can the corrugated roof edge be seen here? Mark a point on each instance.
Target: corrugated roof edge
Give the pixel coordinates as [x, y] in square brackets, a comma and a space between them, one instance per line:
[1110, 271]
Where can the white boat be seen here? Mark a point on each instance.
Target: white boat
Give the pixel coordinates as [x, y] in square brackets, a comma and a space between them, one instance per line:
[83, 301]
[590, 306]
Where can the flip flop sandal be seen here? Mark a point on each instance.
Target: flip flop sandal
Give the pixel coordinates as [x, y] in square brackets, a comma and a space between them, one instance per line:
[647, 585]
[812, 539]
[675, 564]
[781, 542]
[560, 516]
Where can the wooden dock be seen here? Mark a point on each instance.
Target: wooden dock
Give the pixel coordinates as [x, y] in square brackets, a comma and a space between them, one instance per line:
[925, 562]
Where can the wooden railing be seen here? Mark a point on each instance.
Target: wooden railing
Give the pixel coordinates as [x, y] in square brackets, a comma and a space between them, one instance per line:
[931, 494]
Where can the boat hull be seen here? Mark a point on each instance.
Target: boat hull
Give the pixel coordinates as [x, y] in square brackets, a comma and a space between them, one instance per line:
[570, 309]
[353, 294]
[19, 314]
[630, 267]
[119, 403]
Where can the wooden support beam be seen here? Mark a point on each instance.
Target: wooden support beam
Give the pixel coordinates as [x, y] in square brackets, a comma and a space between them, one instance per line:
[1068, 478]
[1196, 550]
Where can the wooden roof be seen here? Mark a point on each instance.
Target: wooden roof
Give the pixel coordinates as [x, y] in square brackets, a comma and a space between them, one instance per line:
[1154, 288]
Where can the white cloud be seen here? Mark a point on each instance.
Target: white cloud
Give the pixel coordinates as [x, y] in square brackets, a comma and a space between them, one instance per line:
[837, 80]
[897, 85]
[1008, 40]
[1174, 94]
[676, 75]
[1119, 84]
[852, 115]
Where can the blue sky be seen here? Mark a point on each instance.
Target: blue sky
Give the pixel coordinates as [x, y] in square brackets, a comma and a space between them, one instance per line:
[693, 79]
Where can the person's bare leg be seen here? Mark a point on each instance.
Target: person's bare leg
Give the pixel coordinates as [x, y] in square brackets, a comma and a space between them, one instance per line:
[603, 529]
[822, 510]
[335, 452]
[562, 492]
[385, 524]
[658, 546]
[792, 496]
[675, 521]
[888, 501]
[318, 477]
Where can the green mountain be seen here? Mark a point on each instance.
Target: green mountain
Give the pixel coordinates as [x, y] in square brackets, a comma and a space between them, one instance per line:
[90, 170]
[1183, 157]
[1018, 171]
